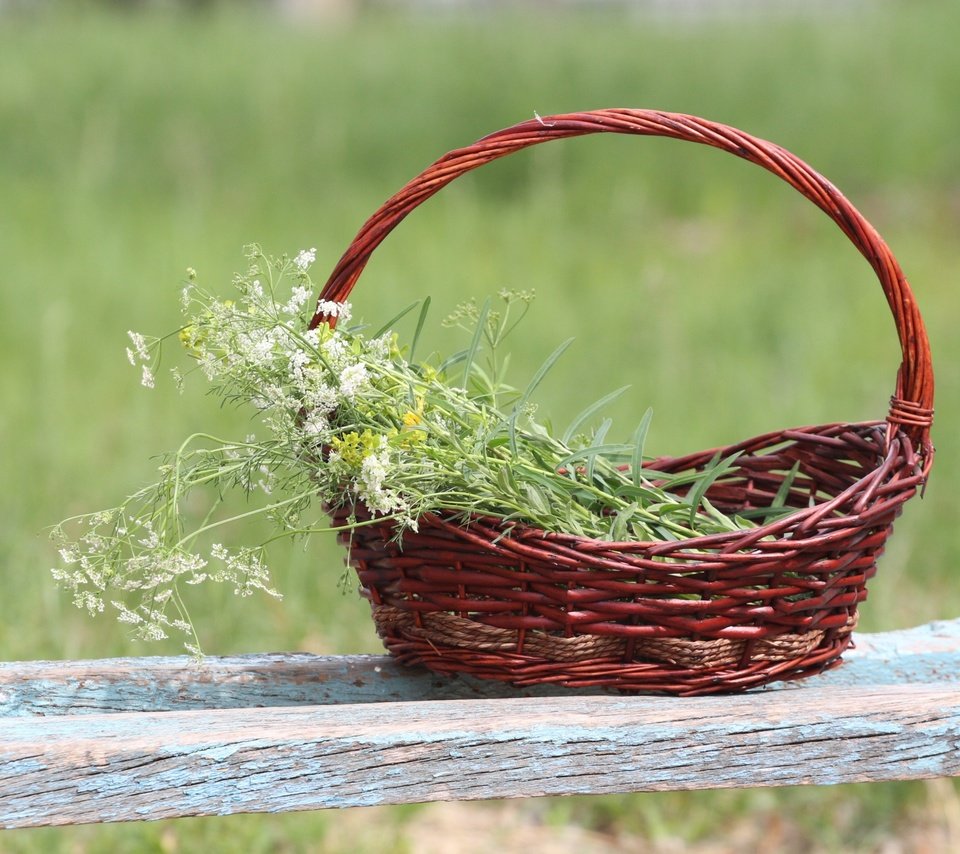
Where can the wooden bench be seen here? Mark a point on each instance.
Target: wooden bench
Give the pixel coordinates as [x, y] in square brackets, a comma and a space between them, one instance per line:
[151, 738]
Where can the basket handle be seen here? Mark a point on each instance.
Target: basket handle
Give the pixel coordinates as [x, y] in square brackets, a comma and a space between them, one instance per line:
[912, 401]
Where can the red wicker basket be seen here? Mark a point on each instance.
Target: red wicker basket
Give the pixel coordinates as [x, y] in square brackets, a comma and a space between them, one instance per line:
[776, 602]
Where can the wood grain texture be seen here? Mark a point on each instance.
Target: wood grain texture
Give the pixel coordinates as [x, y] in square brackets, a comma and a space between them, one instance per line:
[133, 739]
[927, 654]
[131, 766]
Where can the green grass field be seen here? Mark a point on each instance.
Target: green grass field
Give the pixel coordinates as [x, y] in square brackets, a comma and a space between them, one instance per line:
[135, 145]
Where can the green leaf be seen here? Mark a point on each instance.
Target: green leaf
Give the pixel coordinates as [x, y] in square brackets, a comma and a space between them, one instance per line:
[420, 321]
[390, 323]
[582, 416]
[780, 499]
[483, 382]
[639, 440]
[585, 453]
[644, 494]
[707, 479]
[512, 430]
[542, 372]
[721, 519]
[598, 438]
[538, 501]
[450, 361]
[619, 529]
[505, 481]
[475, 343]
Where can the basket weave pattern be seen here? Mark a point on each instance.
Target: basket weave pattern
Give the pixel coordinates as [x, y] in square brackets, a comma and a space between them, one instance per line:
[715, 613]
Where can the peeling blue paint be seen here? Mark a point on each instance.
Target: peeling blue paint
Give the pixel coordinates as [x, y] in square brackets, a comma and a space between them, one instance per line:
[117, 761]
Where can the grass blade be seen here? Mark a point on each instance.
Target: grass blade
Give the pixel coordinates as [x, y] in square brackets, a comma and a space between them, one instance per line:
[707, 479]
[780, 499]
[580, 418]
[389, 324]
[543, 370]
[639, 440]
[593, 451]
[598, 438]
[420, 321]
[450, 361]
[475, 343]
[619, 529]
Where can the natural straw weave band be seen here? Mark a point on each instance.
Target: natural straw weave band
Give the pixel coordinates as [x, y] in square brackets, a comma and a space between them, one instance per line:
[442, 629]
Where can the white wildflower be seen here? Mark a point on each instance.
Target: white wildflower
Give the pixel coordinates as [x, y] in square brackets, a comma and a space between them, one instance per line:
[152, 632]
[146, 378]
[69, 556]
[218, 551]
[315, 425]
[131, 358]
[209, 365]
[352, 379]
[256, 290]
[152, 540]
[126, 615]
[255, 347]
[140, 345]
[339, 310]
[266, 483]
[379, 348]
[374, 470]
[298, 361]
[88, 602]
[335, 349]
[321, 399]
[305, 258]
[300, 295]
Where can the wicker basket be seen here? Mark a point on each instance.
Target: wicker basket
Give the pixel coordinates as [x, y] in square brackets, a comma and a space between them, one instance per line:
[776, 602]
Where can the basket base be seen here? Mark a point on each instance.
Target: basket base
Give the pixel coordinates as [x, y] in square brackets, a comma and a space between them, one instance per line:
[447, 644]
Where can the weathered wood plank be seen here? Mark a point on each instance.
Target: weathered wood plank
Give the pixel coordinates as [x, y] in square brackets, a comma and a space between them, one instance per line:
[925, 655]
[246, 681]
[129, 739]
[131, 766]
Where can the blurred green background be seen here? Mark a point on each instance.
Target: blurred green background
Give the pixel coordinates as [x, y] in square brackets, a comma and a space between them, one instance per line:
[139, 139]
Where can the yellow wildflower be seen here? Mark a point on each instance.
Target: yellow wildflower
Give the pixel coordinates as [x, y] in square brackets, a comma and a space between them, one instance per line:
[354, 447]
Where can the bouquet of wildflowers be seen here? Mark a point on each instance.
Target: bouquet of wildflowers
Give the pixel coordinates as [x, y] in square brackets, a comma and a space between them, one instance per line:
[350, 418]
